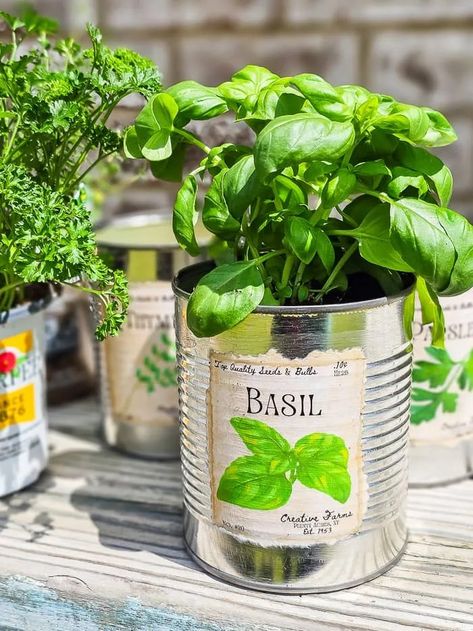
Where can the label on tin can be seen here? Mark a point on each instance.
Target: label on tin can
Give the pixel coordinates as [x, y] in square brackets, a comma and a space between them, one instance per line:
[285, 445]
[442, 394]
[141, 360]
[22, 425]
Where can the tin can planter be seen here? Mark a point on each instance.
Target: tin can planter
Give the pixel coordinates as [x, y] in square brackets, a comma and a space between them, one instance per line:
[138, 367]
[294, 435]
[442, 408]
[23, 425]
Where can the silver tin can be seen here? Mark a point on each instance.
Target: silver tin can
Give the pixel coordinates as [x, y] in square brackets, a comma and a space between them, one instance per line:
[23, 423]
[294, 435]
[137, 367]
[442, 408]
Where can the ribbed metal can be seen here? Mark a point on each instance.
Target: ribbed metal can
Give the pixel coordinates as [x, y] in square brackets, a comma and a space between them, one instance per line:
[442, 409]
[23, 422]
[294, 437]
[138, 367]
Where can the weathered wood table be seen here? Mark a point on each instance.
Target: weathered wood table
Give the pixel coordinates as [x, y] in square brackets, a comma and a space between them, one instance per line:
[96, 545]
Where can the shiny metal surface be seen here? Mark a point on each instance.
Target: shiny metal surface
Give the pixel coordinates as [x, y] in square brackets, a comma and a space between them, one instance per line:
[156, 264]
[376, 327]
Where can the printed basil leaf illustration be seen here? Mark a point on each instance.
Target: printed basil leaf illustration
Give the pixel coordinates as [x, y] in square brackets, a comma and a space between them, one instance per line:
[260, 438]
[441, 376]
[322, 465]
[264, 481]
[248, 482]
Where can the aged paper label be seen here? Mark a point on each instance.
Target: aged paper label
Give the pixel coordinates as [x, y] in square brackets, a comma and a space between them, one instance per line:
[141, 360]
[285, 445]
[442, 394]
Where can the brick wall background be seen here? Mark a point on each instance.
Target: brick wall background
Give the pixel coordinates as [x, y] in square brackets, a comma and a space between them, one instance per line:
[418, 50]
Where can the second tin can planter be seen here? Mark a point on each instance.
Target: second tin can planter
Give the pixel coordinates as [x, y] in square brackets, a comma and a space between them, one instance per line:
[294, 431]
[442, 409]
[23, 425]
[138, 367]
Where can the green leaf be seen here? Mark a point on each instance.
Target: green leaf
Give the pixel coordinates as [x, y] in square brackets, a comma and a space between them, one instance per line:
[432, 402]
[406, 121]
[131, 145]
[373, 168]
[184, 216]
[432, 312]
[216, 213]
[409, 314]
[322, 465]
[158, 147]
[154, 123]
[196, 101]
[460, 233]
[291, 140]
[300, 238]
[289, 193]
[325, 249]
[418, 235]
[315, 89]
[374, 238]
[246, 84]
[170, 169]
[224, 297]
[240, 186]
[440, 132]
[248, 482]
[465, 380]
[263, 440]
[403, 179]
[338, 188]
[420, 160]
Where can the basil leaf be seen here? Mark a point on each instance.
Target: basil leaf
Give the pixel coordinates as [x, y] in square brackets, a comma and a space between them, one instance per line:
[432, 312]
[422, 161]
[240, 186]
[338, 188]
[460, 232]
[248, 483]
[158, 146]
[224, 297]
[263, 440]
[440, 132]
[247, 82]
[325, 249]
[171, 168]
[315, 89]
[405, 178]
[131, 145]
[288, 192]
[418, 235]
[156, 117]
[373, 168]
[373, 236]
[216, 213]
[300, 238]
[300, 138]
[322, 465]
[184, 216]
[196, 101]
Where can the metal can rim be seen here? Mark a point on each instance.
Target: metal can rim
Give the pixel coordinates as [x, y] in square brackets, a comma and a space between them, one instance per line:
[135, 220]
[361, 305]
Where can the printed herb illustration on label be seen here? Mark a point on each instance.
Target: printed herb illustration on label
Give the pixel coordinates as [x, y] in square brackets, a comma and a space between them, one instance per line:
[285, 448]
[265, 480]
[159, 365]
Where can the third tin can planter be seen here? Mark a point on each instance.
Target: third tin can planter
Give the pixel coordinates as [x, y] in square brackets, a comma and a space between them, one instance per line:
[138, 367]
[294, 431]
[442, 408]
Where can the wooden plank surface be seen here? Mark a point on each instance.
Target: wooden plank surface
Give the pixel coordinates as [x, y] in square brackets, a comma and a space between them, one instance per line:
[96, 545]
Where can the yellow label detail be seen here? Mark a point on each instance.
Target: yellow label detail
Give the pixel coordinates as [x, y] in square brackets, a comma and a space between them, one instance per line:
[23, 342]
[17, 407]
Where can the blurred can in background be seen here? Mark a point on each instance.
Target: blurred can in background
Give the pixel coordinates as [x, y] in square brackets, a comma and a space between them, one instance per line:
[138, 367]
[442, 398]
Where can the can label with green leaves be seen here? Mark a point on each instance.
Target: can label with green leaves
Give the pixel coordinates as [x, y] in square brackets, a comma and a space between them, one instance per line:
[285, 441]
[442, 408]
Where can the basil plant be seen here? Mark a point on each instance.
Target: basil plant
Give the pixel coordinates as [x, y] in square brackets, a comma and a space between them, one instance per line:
[337, 199]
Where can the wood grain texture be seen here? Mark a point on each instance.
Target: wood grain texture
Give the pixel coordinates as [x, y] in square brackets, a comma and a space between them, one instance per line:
[96, 544]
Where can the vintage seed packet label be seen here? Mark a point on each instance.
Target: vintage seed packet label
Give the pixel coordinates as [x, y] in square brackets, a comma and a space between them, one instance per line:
[141, 360]
[22, 425]
[442, 393]
[285, 445]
